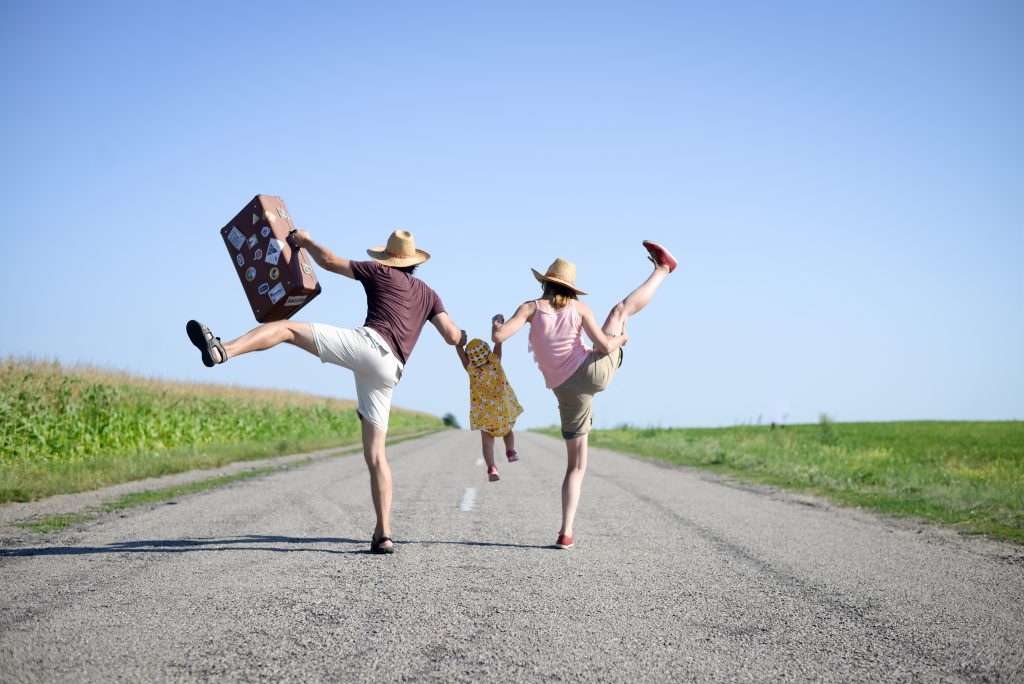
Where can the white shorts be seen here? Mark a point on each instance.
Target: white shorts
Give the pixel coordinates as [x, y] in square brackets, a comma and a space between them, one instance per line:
[367, 355]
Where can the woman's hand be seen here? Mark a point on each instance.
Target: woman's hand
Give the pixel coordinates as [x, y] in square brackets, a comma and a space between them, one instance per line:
[501, 331]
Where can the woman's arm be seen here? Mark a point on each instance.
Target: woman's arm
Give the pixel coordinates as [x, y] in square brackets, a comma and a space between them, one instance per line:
[602, 343]
[501, 329]
[324, 257]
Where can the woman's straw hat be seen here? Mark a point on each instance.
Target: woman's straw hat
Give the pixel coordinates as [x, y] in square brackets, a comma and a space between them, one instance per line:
[478, 352]
[400, 251]
[561, 272]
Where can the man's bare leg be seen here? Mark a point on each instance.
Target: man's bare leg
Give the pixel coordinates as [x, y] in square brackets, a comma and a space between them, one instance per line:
[270, 335]
[380, 479]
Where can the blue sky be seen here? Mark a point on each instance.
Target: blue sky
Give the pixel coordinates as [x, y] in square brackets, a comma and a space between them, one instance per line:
[840, 181]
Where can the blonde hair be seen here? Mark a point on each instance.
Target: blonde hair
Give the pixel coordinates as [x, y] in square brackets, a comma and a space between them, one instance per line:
[560, 294]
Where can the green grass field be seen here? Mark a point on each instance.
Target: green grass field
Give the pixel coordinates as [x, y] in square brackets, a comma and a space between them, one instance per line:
[75, 429]
[968, 475]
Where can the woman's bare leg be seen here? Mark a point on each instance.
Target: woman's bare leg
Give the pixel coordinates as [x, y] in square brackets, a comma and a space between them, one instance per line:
[615, 324]
[576, 468]
[510, 442]
[270, 335]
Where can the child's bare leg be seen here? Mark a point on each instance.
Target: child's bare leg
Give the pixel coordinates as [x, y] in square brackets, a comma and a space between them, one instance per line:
[510, 447]
[270, 335]
[615, 324]
[487, 446]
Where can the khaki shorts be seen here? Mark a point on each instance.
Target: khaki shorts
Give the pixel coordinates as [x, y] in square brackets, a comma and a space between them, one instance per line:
[367, 355]
[576, 395]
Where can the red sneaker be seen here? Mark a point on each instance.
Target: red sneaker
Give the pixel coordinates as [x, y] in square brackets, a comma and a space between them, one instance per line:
[492, 473]
[660, 255]
[512, 456]
[564, 541]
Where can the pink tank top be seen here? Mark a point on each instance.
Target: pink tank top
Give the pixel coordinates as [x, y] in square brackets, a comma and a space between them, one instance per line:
[556, 340]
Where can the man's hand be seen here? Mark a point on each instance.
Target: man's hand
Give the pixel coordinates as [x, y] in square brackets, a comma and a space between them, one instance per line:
[450, 332]
[324, 257]
[299, 238]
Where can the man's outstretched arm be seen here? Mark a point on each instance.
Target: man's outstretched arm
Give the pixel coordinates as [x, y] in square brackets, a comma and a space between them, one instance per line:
[449, 331]
[324, 257]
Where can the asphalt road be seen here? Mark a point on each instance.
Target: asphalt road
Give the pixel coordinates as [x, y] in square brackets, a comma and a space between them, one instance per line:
[676, 576]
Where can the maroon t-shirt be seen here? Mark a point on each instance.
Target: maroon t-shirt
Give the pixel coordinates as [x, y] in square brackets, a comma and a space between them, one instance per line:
[398, 305]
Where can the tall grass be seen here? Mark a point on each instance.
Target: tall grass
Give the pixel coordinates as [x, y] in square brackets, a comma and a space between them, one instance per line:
[70, 429]
[966, 474]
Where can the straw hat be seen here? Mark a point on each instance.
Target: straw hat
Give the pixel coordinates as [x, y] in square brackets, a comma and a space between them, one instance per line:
[400, 251]
[478, 352]
[561, 272]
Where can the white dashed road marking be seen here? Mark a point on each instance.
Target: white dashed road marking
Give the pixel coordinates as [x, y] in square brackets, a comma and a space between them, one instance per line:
[468, 497]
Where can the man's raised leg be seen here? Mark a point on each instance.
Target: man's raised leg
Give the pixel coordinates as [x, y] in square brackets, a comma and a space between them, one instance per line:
[266, 336]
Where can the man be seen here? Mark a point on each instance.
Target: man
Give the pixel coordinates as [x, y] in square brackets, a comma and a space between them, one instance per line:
[397, 307]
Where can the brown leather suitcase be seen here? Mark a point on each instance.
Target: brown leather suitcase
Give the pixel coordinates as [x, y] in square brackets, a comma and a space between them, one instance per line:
[277, 277]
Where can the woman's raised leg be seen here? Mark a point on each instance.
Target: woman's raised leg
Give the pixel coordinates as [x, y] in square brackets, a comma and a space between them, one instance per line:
[615, 324]
[664, 263]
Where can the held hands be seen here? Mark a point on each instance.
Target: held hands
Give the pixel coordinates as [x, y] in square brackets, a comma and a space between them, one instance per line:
[497, 321]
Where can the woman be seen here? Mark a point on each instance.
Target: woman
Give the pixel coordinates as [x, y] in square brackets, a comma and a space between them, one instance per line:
[571, 370]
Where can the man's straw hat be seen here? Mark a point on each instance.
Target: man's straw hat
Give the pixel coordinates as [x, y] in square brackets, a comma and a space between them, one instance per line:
[400, 251]
[561, 272]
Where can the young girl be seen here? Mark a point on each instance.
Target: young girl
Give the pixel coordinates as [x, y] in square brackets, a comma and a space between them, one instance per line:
[493, 407]
[572, 371]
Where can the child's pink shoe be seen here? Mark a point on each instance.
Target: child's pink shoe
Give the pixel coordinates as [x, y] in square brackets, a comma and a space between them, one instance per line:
[492, 473]
[511, 454]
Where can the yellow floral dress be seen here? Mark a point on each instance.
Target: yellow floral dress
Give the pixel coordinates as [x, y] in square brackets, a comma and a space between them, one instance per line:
[493, 406]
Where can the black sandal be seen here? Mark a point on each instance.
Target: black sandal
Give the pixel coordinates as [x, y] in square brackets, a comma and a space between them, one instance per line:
[375, 545]
[205, 342]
